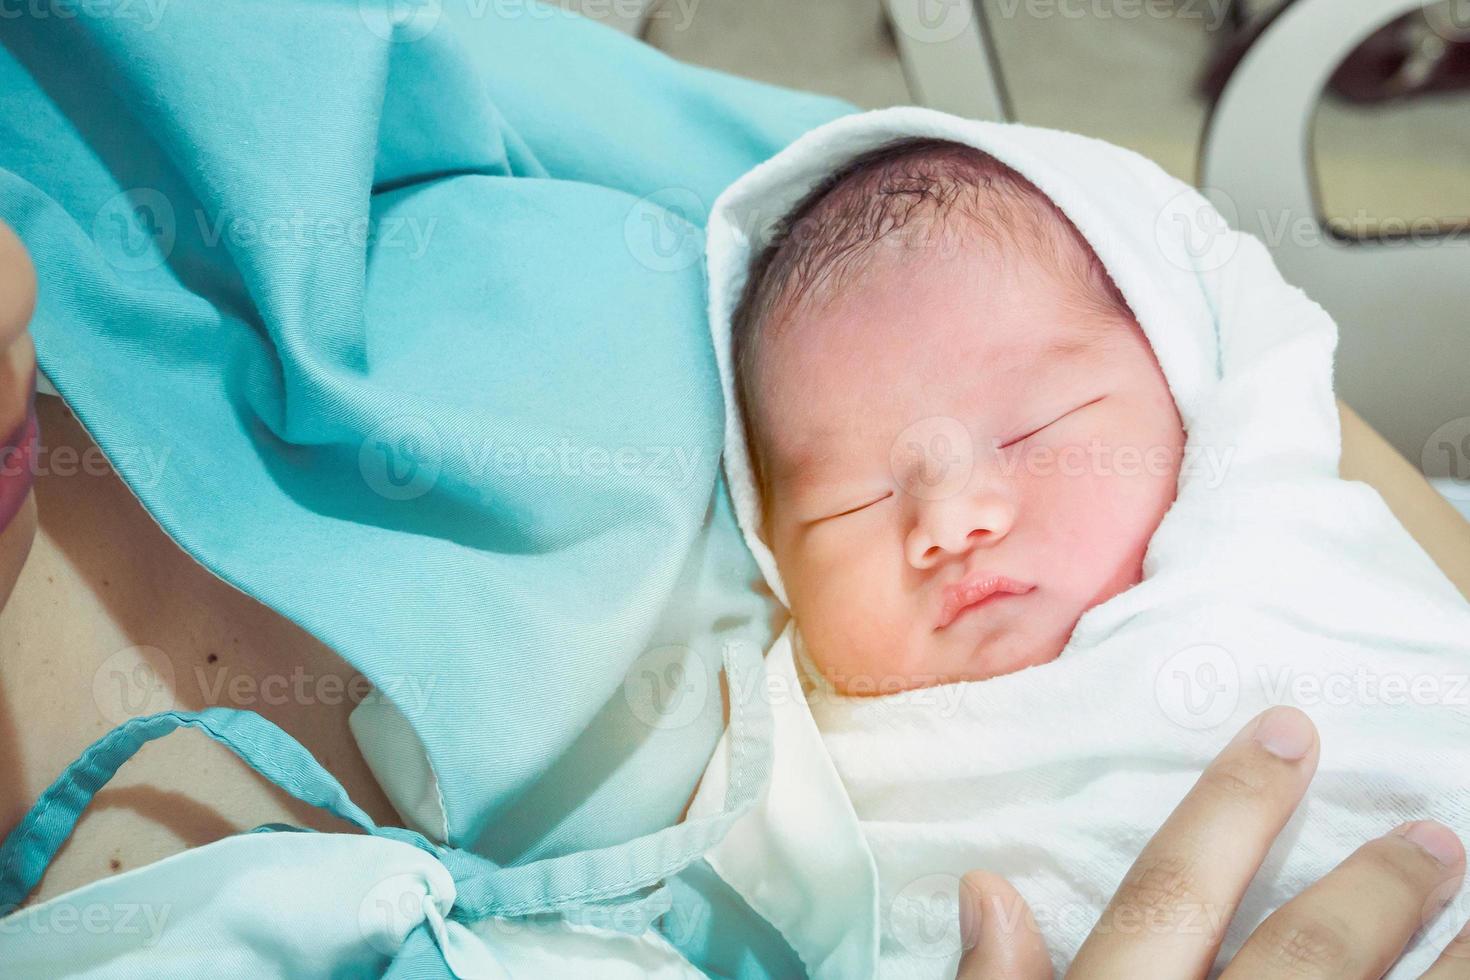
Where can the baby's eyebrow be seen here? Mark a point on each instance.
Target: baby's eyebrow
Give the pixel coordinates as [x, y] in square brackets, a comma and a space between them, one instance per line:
[1080, 342]
[801, 466]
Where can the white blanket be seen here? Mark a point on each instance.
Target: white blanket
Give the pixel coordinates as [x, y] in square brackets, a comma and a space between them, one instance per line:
[1270, 580]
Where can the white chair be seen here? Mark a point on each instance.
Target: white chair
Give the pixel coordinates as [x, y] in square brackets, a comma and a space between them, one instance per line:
[1402, 305]
[947, 57]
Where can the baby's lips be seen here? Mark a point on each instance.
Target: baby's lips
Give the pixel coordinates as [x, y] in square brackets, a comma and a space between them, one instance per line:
[974, 589]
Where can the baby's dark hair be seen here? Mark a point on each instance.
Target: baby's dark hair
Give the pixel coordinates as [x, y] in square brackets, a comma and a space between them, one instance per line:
[914, 192]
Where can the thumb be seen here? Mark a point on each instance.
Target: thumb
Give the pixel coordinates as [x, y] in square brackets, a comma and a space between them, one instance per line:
[999, 933]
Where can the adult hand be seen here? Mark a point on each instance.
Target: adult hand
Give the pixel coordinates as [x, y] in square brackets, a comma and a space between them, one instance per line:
[1352, 923]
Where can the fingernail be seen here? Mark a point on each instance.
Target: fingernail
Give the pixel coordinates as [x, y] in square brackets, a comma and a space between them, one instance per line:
[1286, 733]
[1437, 839]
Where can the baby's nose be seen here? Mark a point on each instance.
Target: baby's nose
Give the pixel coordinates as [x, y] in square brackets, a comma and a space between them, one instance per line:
[958, 524]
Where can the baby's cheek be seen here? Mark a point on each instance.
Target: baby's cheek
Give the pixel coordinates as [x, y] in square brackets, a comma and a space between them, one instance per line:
[1092, 521]
[845, 641]
[847, 605]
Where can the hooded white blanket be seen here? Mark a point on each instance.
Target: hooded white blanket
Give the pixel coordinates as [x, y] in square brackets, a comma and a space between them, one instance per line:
[1270, 580]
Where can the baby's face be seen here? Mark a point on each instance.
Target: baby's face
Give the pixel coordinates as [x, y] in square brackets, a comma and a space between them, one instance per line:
[887, 526]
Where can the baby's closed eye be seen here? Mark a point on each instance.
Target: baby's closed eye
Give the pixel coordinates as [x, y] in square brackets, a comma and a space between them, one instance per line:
[1040, 428]
[854, 509]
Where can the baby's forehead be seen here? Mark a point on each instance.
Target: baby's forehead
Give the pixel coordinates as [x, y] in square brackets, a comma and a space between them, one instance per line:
[934, 316]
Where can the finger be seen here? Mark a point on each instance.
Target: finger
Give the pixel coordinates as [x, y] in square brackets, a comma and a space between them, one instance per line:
[1356, 920]
[1454, 962]
[1170, 912]
[999, 932]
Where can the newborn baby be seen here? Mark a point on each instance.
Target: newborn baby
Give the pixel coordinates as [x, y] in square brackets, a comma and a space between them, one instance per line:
[960, 435]
[1043, 460]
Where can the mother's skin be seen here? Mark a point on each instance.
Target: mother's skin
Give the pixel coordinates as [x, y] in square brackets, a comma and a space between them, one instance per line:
[103, 579]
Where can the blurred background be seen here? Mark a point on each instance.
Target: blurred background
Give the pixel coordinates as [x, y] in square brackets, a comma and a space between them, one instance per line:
[1126, 71]
[1338, 131]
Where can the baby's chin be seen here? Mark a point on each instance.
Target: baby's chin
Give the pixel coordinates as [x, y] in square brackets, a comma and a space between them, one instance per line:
[874, 676]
